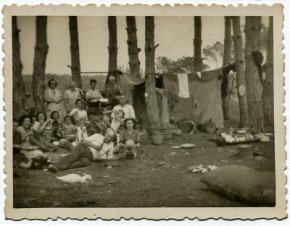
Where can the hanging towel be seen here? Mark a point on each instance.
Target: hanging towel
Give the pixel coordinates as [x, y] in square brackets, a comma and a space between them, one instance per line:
[183, 85]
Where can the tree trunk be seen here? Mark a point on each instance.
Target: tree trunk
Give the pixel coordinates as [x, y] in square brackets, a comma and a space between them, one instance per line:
[226, 61]
[268, 94]
[113, 46]
[151, 101]
[253, 80]
[241, 82]
[39, 63]
[197, 44]
[74, 49]
[18, 85]
[133, 49]
[134, 64]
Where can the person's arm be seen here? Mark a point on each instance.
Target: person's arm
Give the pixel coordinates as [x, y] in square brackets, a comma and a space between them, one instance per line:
[23, 134]
[122, 138]
[132, 112]
[120, 90]
[88, 95]
[86, 115]
[100, 94]
[66, 97]
[90, 144]
[73, 112]
[138, 140]
[113, 112]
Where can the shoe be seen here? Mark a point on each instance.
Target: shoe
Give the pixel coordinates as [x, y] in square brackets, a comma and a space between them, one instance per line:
[52, 169]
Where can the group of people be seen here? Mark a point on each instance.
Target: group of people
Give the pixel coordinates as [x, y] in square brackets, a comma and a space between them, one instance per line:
[92, 126]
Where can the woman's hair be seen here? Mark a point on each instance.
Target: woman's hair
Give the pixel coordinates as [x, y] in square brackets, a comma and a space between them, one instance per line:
[80, 101]
[39, 113]
[122, 113]
[110, 128]
[71, 118]
[52, 113]
[130, 119]
[21, 120]
[93, 81]
[51, 80]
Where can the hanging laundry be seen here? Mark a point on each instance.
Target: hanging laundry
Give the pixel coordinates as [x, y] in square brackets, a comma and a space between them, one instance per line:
[183, 85]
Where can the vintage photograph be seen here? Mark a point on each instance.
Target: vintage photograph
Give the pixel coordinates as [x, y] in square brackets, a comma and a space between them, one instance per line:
[129, 111]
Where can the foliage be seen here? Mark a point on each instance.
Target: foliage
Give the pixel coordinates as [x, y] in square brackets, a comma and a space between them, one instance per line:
[214, 52]
[184, 64]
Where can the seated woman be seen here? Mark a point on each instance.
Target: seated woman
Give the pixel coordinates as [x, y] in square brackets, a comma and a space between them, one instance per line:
[40, 124]
[130, 139]
[25, 130]
[80, 117]
[68, 133]
[38, 129]
[55, 126]
[96, 147]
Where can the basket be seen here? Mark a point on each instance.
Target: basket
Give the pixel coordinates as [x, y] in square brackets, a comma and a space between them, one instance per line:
[167, 132]
[157, 138]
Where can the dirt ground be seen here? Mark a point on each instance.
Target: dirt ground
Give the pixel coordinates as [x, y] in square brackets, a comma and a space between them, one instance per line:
[159, 180]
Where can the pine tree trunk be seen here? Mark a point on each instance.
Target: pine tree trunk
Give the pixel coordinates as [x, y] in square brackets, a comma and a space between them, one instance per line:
[18, 85]
[133, 49]
[253, 81]
[197, 44]
[226, 61]
[134, 64]
[268, 94]
[40, 53]
[113, 46]
[74, 49]
[151, 101]
[241, 82]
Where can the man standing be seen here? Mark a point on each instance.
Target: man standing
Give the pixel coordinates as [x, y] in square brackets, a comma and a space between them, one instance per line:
[93, 96]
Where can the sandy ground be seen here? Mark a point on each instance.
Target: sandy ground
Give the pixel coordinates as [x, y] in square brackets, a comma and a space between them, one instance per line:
[160, 179]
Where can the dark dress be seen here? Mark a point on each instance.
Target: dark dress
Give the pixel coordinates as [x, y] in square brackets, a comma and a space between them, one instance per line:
[111, 93]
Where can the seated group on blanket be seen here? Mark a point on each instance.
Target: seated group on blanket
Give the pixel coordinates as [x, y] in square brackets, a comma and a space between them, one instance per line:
[89, 133]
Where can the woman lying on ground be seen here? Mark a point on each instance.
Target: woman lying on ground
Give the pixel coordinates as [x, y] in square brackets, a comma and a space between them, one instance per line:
[93, 148]
[130, 139]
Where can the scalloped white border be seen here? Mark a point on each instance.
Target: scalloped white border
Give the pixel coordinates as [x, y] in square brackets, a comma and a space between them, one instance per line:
[218, 213]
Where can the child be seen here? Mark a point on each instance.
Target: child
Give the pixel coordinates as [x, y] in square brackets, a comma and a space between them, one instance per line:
[117, 120]
[79, 113]
[68, 133]
[80, 116]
